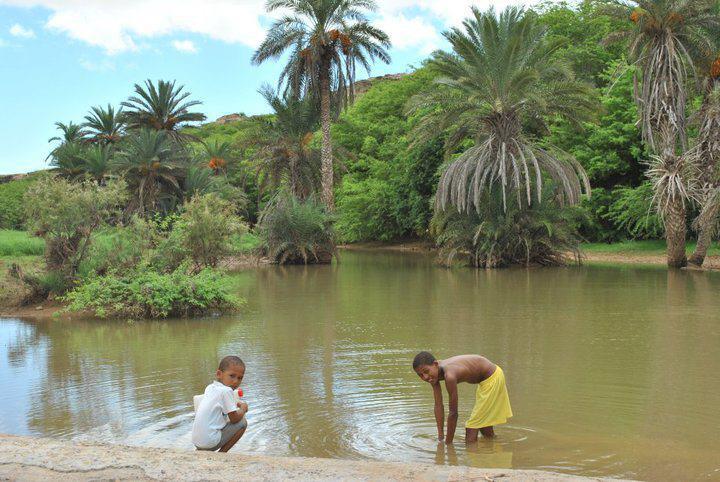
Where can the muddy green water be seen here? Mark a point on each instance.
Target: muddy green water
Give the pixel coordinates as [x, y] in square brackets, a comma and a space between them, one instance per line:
[611, 371]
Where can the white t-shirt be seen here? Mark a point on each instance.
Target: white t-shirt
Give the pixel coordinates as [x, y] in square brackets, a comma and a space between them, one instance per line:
[211, 415]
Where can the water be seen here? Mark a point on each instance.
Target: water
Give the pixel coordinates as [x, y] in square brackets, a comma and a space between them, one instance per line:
[611, 371]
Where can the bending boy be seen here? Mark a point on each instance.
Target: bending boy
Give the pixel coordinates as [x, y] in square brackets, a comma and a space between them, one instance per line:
[492, 404]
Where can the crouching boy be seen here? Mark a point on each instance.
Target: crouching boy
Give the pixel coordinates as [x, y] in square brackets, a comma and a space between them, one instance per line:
[219, 420]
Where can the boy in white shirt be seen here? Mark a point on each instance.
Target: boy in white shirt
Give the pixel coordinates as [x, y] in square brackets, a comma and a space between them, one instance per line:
[219, 421]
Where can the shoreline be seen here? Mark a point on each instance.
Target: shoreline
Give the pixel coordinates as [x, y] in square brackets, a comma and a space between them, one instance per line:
[639, 258]
[41, 459]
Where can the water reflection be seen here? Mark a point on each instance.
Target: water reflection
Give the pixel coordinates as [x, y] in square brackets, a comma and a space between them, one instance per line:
[611, 371]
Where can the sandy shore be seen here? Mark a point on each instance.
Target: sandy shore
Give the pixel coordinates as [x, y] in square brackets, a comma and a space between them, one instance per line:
[42, 459]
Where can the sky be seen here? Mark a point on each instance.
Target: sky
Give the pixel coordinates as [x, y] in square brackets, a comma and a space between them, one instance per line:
[60, 57]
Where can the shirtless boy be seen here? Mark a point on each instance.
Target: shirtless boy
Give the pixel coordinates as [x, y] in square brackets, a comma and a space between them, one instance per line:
[492, 405]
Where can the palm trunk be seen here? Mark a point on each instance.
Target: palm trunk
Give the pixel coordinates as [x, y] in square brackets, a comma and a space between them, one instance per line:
[326, 152]
[709, 155]
[674, 218]
[706, 229]
[675, 231]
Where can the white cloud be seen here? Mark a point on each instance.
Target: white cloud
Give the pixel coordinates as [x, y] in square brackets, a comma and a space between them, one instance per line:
[415, 32]
[185, 46]
[450, 12]
[121, 26]
[18, 30]
[101, 66]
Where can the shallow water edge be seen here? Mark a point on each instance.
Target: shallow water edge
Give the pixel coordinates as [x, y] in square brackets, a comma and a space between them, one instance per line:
[41, 459]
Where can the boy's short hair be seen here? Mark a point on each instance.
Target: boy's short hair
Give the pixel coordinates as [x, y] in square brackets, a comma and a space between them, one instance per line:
[423, 358]
[230, 360]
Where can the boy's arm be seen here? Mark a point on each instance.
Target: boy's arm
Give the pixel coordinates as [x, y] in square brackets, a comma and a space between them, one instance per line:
[451, 387]
[439, 410]
[238, 414]
[234, 411]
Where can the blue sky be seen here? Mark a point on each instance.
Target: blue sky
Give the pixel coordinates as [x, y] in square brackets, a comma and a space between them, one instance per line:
[59, 57]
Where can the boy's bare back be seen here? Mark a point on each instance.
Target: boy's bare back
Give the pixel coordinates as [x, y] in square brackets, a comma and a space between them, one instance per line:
[467, 368]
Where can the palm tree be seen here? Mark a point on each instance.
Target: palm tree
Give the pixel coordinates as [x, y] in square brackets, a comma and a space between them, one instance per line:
[67, 158]
[162, 107]
[71, 132]
[501, 75]
[104, 125]
[218, 155]
[706, 156]
[284, 153]
[97, 161]
[147, 162]
[326, 38]
[667, 37]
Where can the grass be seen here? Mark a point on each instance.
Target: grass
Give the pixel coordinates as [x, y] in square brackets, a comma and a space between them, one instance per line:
[654, 247]
[20, 243]
[245, 243]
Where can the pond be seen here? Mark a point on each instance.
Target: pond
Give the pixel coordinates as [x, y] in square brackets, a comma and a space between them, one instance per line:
[611, 371]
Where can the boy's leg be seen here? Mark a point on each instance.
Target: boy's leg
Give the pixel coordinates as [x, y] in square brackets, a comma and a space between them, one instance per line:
[233, 440]
[471, 435]
[486, 432]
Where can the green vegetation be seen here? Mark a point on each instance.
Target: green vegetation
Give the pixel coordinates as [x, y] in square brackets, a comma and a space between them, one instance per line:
[292, 231]
[489, 148]
[499, 235]
[20, 243]
[149, 294]
[12, 209]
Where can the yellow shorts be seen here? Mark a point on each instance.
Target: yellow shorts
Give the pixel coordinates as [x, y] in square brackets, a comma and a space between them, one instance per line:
[492, 404]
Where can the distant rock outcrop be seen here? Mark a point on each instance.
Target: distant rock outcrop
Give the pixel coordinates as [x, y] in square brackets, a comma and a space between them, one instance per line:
[362, 86]
[11, 177]
[226, 119]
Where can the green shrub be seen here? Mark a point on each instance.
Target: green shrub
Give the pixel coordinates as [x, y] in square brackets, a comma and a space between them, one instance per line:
[149, 294]
[66, 214]
[296, 232]
[633, 213]
[206, 227]
[20, 243]
[544, 234]
[12, 207]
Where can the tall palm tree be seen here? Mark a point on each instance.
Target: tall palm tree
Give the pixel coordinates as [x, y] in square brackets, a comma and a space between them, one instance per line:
[104, 125]
[163, 108]
[500, 76]
[706, 155]
[148, 164]
[284, 153]
[326, 39]
[667, 37]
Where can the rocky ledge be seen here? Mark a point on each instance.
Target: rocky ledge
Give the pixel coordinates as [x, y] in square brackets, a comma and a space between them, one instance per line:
[43, 459]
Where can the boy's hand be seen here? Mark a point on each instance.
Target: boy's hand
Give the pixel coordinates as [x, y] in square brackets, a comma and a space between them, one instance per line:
[243, 406]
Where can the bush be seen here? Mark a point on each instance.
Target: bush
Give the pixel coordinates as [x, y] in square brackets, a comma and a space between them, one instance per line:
[544, 234]
[11, 202]
[206, 227]
[296, 232]
[149, 294]
[66, 215]
[633, 213]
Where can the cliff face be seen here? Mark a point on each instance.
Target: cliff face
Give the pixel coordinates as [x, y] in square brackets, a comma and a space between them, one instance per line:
[362, 86]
